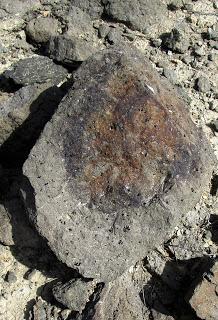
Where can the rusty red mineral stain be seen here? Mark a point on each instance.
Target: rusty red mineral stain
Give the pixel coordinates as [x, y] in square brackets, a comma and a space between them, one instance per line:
[127, 137]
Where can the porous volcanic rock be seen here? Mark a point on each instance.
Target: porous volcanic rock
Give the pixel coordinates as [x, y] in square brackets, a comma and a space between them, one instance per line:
[37, 69]
[116, 167]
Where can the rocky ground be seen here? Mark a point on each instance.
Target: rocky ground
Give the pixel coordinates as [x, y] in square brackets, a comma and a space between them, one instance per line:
[179, 278]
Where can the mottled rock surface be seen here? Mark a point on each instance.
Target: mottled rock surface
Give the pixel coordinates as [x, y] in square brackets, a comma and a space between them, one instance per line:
[142, 15]
[45, 311]
[120, 300]
[117, 166]
[68, 50]
[17, 7]
[23, 116]
[74, 294]
[16, 109]
[41, 29]
[78, 22]
[6, 235]
[204, 299]
[35, 70]
[93, 7]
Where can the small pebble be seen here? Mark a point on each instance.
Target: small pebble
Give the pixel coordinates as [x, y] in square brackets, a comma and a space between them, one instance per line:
[156, 42]
[114, 36]
[213, 44]
[200, 51]
[103, 31]
[11, 277]
[170, 75]
[31, 275]
[2, 48]
[175, 5]
[161, 64]
[188, 6]
[214, 125]
[187, 59]
[130, 36]
[203, 84]
[65, 314]
[215, 4]
[208, 235]
[213, 105]
[212, 56]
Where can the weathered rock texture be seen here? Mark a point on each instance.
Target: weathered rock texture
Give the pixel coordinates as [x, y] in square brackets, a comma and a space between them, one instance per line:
[143, 15]
[6, 236]
[120, 299]
[35, 70]
[93, 7]
[41, 29]
[117, 166]
[18, 7]
[205, 297]
[22, 118]
[74, 294]
[69, 50]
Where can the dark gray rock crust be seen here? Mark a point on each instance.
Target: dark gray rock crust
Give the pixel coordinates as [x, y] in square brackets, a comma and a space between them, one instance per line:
[38, 69]
[74, 294]
[40, 29]
[117, 166]
[93, 7]
[142, 15]
[69, 50]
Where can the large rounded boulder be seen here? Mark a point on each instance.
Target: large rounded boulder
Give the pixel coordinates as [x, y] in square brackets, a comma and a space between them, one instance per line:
[117, 166]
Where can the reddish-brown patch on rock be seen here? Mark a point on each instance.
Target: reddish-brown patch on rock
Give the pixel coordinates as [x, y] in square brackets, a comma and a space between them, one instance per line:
[133, 133]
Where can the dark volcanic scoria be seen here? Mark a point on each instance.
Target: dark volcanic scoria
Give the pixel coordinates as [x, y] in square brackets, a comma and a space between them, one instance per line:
[117, 166]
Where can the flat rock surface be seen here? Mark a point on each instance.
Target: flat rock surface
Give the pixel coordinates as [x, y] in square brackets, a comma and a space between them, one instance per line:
[117, 166]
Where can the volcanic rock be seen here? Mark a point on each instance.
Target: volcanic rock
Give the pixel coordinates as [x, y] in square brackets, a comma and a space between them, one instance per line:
[74, 294]
[17, 7]
[78, 22]
[204, 299]
[116, 167]
[41, 29]
[93, 7]
[176, 40]
[68, 50]
[120, 298]
[35, 70]
[142, 15]
[203, 84]
[6, 235]
[22, 117]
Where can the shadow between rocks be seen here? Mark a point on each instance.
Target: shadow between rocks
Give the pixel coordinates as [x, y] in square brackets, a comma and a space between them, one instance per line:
[167, 293]
[15, 150]
[29, 247]
[214, 228]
